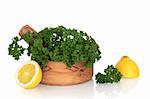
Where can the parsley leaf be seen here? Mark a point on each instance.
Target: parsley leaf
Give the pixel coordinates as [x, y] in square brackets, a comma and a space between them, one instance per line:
[111, 75]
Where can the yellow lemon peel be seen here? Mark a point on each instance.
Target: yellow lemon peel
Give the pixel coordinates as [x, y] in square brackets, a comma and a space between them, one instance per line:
[128, 67]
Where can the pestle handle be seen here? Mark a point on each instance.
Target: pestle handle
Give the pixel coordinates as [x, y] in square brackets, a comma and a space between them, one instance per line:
[27, 29]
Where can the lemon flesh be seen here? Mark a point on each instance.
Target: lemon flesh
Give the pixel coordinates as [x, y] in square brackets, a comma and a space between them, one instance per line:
[26, 73]
[29, 75]
[128, 67]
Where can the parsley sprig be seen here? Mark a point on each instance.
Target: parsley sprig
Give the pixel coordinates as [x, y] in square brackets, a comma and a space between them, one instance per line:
[111, 75]
[15, 49]
[60, 44]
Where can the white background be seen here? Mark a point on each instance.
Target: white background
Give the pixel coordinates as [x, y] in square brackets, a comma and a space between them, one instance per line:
[120, 27]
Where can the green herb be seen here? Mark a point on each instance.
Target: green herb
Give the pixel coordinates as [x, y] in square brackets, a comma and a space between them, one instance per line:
[61, 44]
[38, 52]
[111, 75]
[15, 49]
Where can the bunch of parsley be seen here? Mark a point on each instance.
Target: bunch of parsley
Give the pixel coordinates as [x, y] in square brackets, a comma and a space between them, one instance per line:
[58, 44]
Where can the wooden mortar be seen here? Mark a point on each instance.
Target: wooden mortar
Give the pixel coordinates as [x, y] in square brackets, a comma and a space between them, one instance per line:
[57, 73]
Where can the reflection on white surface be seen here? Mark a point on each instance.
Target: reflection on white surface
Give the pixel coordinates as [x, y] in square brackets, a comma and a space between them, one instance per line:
[80, 91]
[113, 90]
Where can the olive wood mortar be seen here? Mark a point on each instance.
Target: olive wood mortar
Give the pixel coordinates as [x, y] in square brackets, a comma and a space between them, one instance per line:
[57, 73]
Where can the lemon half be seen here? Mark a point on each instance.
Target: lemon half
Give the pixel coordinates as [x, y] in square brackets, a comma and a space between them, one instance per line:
[128, 68]
[29, 74]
